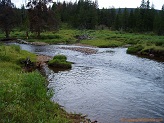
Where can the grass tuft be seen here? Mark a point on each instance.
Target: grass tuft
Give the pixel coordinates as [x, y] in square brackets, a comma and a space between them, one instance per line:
[59, 61]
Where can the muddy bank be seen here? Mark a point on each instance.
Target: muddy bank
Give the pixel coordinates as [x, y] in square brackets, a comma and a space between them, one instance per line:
[42, 59]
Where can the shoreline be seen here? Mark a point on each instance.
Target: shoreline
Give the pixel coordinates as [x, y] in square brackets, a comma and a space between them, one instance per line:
[87, 49]
[75, 118]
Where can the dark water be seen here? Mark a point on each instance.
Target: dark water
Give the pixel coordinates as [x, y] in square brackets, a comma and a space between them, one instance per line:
[107, 86]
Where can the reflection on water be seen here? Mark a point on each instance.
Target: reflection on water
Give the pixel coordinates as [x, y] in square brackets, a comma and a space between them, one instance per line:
[109, 85]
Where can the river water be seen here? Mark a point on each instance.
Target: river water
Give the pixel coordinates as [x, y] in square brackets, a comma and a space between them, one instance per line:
[107, 86]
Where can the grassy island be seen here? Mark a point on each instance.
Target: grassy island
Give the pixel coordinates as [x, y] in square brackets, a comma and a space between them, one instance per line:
[60, 62]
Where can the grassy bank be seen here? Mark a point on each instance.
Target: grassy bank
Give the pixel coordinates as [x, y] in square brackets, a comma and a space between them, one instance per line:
[150, 43]
[61, 36]
[100, 38]
[23, 96]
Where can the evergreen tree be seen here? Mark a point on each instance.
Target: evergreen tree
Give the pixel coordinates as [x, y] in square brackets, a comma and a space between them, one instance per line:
[25, 24]
[118, 20]
[125, 19]
[7, 16]
[86, 17]
[56, 9]
[112, 17]
[41, 18]
[148, 4]
[143, 4]
[163, 7]
[131, 19]
[104, 17]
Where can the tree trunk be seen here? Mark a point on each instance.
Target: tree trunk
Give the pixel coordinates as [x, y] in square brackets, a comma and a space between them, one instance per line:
[7, 33]
[27, 35]
[38, 34]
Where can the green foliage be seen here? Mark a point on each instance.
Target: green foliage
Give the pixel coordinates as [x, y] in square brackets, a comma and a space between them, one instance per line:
[59, 61]
[41, 18]
[7, 16]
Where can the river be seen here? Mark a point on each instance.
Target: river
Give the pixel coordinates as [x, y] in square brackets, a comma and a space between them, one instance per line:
[107, 86]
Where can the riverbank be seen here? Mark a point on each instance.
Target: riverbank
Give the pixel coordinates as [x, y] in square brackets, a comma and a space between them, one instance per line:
[151, 45]
[23, 95]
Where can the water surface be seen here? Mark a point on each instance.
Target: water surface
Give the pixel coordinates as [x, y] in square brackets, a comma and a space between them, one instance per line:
[107, 86]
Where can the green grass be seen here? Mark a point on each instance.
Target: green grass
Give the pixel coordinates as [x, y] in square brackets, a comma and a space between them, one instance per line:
[61, 36]
[59, 61]
[100, 38]
[23, 96]
[102, 43]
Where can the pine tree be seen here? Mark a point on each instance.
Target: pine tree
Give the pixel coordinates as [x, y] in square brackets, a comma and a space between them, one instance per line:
[7, 16]
[125, 19]
[25, 24]
[163, 7]
[118, 20]
[148, 4]
[131, 19]
[143, 4]
[40, 16]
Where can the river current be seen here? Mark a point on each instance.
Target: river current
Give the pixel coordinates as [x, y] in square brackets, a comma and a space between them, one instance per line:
[107, 86]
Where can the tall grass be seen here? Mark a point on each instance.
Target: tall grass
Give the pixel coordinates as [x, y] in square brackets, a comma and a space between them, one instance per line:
[23, 96]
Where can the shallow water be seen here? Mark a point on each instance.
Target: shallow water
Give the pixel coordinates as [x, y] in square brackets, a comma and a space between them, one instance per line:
[107, 86]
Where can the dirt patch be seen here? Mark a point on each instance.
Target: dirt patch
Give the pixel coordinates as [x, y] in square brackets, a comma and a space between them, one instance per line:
[42, 60]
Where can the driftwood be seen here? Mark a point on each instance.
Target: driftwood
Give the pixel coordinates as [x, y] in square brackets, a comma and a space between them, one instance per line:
[29, 66]
[28, 62]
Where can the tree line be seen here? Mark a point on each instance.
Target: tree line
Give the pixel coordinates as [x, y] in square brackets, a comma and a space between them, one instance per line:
[37, 16]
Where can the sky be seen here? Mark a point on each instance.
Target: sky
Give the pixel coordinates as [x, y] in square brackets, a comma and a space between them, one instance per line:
[110, 3]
